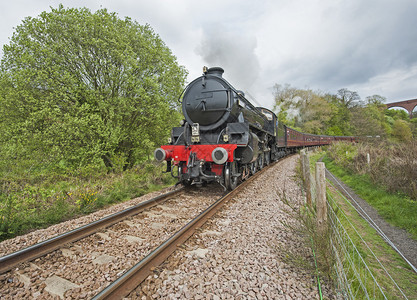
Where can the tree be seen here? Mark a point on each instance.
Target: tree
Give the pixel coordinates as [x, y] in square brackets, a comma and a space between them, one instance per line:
[348, 98]
[413, 126]
[79, 87]
[370, 120]
[304, 109]
[376, 100]
[397, 114]
[339, 124]
[402, 131]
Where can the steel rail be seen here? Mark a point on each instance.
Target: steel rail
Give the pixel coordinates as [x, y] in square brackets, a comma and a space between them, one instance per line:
[9, 261]
[125, 284]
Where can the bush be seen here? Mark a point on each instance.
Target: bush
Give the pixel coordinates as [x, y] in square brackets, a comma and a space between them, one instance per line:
[38, 201]
[402, 131]
[392, 166]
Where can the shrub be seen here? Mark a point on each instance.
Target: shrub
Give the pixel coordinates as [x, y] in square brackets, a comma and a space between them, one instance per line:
[36, 202]
[393, 166]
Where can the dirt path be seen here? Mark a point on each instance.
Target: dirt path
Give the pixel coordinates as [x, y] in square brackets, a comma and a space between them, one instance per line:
[399, 237]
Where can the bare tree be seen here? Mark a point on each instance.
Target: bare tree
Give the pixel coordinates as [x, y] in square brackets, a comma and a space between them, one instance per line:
[348, 98]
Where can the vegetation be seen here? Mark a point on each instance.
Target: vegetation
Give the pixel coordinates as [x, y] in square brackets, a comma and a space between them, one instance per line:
[388, 182]
[37, 202]
[341, 114]
[85, 97]
[367, 244]
[82, 89]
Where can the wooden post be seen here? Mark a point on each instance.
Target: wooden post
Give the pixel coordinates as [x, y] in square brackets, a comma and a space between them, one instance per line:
[321, 195]
[306, 174]
[302, 153]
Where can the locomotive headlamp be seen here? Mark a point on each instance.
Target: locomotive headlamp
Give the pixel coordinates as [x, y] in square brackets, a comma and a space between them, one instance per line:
[182, 122]
[225, 138]
[169, 140]
[160, 154]
[219, 155]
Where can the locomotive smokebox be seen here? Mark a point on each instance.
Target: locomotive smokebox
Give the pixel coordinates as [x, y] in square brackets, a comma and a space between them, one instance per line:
[208, 100]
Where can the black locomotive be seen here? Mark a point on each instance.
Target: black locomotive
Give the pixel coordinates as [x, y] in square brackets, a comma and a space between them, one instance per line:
[223, 137]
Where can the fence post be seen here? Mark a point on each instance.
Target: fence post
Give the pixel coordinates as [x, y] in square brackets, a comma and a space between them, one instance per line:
[302, 153]
[306, 174]
[321, 195]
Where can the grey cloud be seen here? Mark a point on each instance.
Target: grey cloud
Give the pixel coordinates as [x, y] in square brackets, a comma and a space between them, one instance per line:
[326, 45]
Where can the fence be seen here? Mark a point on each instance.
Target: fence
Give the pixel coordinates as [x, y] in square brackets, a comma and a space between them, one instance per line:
[354, 277]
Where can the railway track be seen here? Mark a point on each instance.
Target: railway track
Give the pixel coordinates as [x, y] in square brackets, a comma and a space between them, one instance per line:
[9, 261]
[126, 283]
[80, 269]
[84, 251]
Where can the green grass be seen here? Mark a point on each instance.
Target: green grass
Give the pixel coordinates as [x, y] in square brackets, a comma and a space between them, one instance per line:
[403, 275]
[31, 203]
[396, 209]
[398, 269]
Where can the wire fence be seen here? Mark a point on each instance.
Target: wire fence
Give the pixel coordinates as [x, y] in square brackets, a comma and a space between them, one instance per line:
[355, 279]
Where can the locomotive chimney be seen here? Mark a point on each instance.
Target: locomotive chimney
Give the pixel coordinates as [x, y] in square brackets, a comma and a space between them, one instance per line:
[216, 71]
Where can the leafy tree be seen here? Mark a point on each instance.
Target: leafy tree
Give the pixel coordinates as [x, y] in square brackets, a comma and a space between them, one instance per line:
[302, 108]
[370, 120]
[402, 131]
[397, 114]
[316, 113]
[376, 99]
[285, 97]
[80, 88]
[339, 124]
[341, 114]
[413, 126]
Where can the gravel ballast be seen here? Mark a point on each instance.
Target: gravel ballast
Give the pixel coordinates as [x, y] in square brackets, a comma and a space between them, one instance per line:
[241, 253]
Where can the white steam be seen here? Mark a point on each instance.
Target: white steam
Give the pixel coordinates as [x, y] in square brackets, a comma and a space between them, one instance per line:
[234, 52]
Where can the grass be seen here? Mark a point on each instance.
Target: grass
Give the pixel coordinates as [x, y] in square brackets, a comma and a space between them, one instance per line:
[368, 242]
[30, 204]
[398, 269]
[396, 209]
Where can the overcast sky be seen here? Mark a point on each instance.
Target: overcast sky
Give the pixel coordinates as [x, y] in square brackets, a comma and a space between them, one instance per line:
[365, 46]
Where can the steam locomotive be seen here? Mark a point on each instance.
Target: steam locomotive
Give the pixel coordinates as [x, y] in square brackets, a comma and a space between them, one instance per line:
[224, 138]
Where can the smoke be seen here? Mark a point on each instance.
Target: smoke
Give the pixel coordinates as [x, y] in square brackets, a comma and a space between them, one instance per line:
[234, 52]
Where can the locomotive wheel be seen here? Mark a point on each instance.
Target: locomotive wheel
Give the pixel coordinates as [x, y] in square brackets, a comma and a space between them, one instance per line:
[261, 161]
[267, 158]
[230, 180]
[254, 167]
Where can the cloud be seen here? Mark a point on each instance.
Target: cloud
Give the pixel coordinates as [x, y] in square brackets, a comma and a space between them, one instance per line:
[396, 84]
[365, 46]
